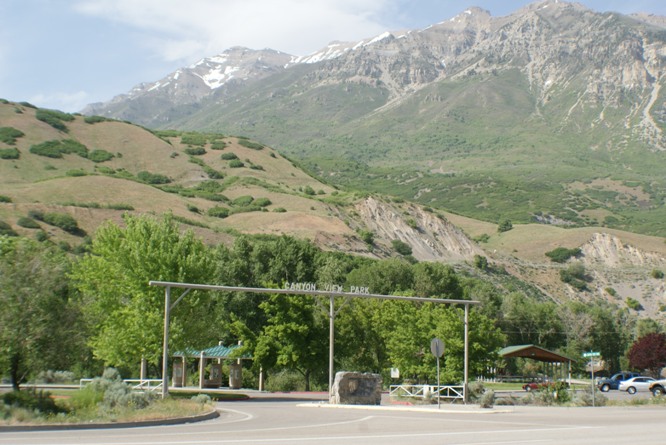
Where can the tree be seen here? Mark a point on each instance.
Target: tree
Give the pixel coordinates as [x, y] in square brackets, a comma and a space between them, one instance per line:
[649, 352]
[39, 326]
[504, 225]
[125, 313]
[295, 336]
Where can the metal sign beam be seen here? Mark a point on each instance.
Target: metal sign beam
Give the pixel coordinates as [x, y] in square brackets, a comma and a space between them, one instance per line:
[289, 291]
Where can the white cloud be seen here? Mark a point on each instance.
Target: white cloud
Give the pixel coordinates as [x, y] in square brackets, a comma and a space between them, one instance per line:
[61, 101]
[185, 30]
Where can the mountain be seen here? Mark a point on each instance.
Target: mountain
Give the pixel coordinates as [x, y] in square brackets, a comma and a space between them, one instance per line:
[60, 168]
[553, 114]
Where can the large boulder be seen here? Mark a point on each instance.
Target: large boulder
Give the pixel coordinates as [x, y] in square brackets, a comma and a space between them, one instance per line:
[356, 388]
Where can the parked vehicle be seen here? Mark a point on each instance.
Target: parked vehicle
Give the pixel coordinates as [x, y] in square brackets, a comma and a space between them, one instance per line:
[635, 384]
[658, 387]
[613, 382]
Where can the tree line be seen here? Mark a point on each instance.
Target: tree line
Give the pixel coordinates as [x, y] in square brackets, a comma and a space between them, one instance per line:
[86, 312]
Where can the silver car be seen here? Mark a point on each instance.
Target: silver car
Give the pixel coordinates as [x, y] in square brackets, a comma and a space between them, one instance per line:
[635, 384]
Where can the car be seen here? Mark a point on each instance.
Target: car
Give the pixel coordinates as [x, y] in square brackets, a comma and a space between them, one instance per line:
[658, 387]
[613, 382]
[533, 386]
[635, 384]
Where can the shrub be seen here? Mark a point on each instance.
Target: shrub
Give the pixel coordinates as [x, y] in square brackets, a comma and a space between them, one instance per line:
[8, 135]
[480, 262]
[40, 402]
[656, 273]
[285, 381]
[120, 206]
[27, 223]
[192, 208]
[250, 144]
[610, 291]
[279, 210]
[4, 198]
[634, 304]
[504, 226]
[56, 148]
[218, 212]
[195, 151]
[61, 220]
[100, 156]
[6, 229]
[55, 377]
[153, 178]
[401, 247]
[256, 167]
[218, 145]
[236, 164]
[54, 118]
[78, 172]
[241, 201]
[309, 190]
[9, 153]
[228, 156]
[262, 202]
[193, 139]
[562, 254]
[367, 236]
[95, 119]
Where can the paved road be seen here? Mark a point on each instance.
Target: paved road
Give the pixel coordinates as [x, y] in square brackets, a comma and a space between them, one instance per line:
[274, 421]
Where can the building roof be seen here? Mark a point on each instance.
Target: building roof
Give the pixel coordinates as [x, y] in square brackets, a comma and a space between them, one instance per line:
[218, 351]
[535, 353]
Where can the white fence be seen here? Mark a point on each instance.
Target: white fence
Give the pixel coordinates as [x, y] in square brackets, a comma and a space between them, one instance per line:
[154, 385]
[425, 391]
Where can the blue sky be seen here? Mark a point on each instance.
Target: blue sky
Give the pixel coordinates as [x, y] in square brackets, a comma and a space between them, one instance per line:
[64, 54]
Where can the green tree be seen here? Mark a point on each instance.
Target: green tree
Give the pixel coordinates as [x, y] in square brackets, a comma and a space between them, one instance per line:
[504, 225]
[39, 326]
[123, 311]
[294, 337]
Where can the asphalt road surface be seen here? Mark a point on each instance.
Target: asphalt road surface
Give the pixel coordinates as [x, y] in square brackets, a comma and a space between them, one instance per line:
[288, 421]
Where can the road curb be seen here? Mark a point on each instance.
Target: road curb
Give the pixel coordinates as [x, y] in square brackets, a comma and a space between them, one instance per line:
[111, 425]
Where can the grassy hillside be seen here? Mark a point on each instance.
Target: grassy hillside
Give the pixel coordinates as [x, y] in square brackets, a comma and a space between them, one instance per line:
[212, 183]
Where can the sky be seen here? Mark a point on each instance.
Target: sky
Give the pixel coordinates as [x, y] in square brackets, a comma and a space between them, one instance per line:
[65, 54]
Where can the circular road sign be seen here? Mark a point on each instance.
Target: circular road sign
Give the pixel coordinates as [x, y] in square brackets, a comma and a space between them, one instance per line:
[437, 347]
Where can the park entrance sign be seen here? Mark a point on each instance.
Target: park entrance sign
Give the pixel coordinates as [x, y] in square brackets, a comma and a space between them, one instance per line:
[299, 289]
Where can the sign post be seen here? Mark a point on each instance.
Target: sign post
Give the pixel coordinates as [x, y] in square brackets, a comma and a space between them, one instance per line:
[591, 355]
[437, 349]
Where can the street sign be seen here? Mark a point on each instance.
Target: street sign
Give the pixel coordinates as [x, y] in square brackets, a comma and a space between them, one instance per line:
[437, 347]
[591, 354]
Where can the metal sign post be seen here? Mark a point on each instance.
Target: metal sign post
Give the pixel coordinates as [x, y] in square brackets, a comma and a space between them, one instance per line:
[437, 349]
[591, 355]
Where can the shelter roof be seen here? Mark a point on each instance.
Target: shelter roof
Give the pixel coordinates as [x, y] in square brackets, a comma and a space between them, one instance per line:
[218, 351]
[535, 353]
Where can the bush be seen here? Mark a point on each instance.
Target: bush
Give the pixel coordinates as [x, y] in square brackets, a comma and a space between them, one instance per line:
[100, 156]
[9, 153]
[56, 148]
[40, 402]
[634, 304]
[75, 173]
[367, 236]
[95, 119]
[8, 135]
[218, 212]
[193, 139]
[195, 151]
[262, 202]
[562, 254]
[285, 381]
[153, 178]
[228, 156]
[309, 190]
[4, 198]
[54, 118]
[6, 229]
[242, 201]
[27, 223]
[280, 210]
[401, 247]
[250, 144]
[218, 145]
[657, 274]
[504, 226]
[236, 164]
[61, 220]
